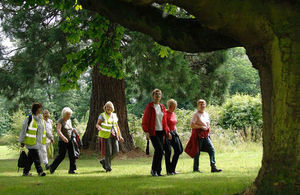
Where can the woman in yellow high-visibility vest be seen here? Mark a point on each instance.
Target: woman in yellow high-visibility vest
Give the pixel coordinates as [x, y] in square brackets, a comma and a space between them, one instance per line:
[109, 135]
[33, 135]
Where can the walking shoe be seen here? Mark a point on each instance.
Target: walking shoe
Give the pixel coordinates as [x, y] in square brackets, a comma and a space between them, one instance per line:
[175, 172]
[72, 172]
[102, 163]
[170, 173]
[197, 171]
[160, 175]
[51, 170]
[108, 170]
[214, 169]
[47, 167]
[154, 173]
[42, 174]
[27, 174]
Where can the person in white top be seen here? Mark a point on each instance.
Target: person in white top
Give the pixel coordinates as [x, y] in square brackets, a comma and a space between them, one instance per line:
[201, 125]
[43, 149]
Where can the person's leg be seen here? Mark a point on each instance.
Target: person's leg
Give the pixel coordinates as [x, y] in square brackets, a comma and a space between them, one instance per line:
[29, 162]
[168, 152]
[211, 152]
[62, 149]
[160, 154]
[36, 160]
[196, 158]
[72, 159]
[158, 151]
[108, 154]
[176, 144]
[43, 155]
[115, 147]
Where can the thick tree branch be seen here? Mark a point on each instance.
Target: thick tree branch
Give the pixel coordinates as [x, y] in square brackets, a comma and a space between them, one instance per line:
[177, 33]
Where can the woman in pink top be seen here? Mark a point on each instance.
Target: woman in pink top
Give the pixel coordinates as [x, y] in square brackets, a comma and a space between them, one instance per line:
[201, 124]
[174, 142]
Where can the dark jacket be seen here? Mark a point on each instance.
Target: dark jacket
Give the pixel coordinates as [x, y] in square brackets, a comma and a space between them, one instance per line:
[77, 144]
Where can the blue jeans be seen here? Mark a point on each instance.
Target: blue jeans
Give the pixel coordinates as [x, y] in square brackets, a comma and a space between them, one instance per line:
[205, 142]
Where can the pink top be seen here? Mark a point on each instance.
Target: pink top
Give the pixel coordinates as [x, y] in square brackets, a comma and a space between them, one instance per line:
[201, 119]
[171, 120]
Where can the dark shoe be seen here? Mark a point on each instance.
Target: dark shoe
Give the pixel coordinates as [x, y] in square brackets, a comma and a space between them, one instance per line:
[108, 170]
[154, 173]
[51, 170]
[160, 175]
[214, 169]
[72, 172]
[102, 163]
[42, 174]
[27, 174]
[47, 167]
[197, 171]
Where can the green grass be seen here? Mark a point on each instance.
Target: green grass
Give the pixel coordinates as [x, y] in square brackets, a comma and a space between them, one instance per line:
[131, 176]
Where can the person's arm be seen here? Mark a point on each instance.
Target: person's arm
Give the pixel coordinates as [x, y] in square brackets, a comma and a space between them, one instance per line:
[145, 122]
[98, 124]
[194, 125]
[60, 133]
[23, 132]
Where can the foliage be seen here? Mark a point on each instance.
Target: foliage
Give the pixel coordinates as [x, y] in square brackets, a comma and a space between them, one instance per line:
[244, 78]
[242, 112]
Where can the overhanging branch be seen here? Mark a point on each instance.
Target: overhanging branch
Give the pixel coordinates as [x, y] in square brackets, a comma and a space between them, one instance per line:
[177, 33]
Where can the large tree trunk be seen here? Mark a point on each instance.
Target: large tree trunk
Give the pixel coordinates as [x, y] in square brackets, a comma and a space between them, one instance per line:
[107, 89]
[279, 68]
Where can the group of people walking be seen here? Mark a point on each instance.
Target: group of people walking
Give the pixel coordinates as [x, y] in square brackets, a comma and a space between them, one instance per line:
[158, 124]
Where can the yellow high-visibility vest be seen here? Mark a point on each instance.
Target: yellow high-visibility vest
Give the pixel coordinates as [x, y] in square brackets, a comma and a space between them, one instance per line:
[31, 133]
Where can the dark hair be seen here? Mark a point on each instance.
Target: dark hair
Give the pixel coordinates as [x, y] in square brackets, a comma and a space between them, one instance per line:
[35, 107]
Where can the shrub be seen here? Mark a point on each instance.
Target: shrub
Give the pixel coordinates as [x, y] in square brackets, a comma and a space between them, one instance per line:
[241, 113]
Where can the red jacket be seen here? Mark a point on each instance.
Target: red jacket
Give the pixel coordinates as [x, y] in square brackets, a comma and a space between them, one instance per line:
[192, 147]
[149, 119]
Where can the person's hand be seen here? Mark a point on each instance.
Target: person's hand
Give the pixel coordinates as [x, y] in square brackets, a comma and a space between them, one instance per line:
[22, 145]
[66, 140]
[52, 140]
[99, 128]
[169, 136]
[121, 139]
[147, 136]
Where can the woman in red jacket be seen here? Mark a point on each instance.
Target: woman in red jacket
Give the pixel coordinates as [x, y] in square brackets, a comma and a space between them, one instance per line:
[155, 126]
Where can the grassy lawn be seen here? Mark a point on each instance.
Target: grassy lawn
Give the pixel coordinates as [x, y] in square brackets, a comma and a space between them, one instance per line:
[132, 176]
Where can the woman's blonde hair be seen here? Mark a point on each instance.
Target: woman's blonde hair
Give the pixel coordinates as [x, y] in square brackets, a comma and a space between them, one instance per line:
[171, 102]
[46, 112]
[110, 104]
[201, 101]
[65, 111]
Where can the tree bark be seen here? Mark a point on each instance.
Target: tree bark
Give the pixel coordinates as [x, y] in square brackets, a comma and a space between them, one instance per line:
[106, 89]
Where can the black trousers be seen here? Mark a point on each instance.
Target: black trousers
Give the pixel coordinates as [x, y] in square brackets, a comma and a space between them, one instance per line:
[176, 144]
[62, 150]
[33, 157]
[157, 142]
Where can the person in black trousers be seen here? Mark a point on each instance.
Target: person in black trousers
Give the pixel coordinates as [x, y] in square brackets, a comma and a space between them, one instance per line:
[155, 126]
[33, 136]
[175, 142]
[64, 130]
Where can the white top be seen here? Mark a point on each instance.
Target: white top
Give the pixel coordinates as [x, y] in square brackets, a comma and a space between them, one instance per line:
[159, 116]
[48, 125]
[201, 119]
